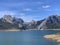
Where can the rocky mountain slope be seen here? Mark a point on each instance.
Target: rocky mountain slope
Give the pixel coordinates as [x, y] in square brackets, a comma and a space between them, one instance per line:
[52, 22]
[9, 22]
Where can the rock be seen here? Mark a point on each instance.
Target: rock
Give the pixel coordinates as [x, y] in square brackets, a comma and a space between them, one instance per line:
[9, 21]
[18, 21]
[31, 24]
[50, 22]
[53, 37]
[8, 18]
[42, 25]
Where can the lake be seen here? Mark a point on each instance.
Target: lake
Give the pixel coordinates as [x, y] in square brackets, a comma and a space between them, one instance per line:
[31, 37]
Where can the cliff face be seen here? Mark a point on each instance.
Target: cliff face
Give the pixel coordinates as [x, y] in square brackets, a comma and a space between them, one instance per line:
[8, 22]
[52, 22]
[31, 24]
[12, 20]
[7, 18]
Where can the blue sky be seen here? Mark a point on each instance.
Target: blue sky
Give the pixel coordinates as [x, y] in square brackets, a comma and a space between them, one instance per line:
[29, 9]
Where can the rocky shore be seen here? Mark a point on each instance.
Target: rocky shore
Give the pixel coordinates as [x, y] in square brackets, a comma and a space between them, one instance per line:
[55, 37]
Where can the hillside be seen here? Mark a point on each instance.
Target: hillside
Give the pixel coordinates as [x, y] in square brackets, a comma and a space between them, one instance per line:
[52, 22]
[9, 22]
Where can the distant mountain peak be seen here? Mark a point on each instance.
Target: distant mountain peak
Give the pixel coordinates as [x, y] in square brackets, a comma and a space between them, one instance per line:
[50, 20]
[7, 18]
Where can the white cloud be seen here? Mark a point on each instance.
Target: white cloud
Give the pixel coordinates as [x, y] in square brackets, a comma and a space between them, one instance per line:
[46, 6]
[27, 17]
[19, 15]
[2, 13]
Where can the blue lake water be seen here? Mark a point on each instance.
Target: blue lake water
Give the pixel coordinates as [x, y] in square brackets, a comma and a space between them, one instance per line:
[34, 37]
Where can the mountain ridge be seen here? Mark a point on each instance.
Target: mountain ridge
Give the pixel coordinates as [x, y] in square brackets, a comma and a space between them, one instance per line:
[9, 22]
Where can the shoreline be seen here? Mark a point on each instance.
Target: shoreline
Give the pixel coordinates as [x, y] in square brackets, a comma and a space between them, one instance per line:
[54, 37]
[9, 30]
[25, 30]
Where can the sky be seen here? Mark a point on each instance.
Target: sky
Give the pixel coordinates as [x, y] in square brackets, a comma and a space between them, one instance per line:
[29, 9]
